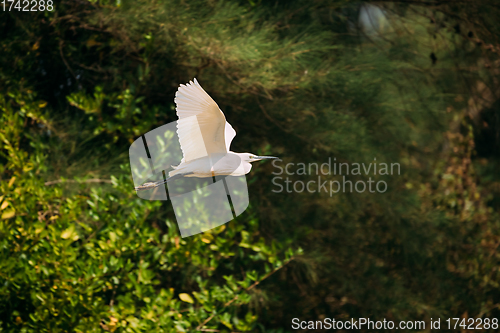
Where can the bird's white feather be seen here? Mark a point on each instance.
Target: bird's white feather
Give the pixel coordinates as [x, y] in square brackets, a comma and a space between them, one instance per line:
[229, 134]
[201, 126]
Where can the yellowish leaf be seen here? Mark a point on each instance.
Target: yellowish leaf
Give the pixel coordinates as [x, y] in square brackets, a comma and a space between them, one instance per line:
[186, 298]
[226, 323]
[11, 181]
[42, 104]
[66, 233]
[4, 205]
[27, 167]
[70, 234]
[8, 214]
[207, 237]
[36, 46]
[220, 229]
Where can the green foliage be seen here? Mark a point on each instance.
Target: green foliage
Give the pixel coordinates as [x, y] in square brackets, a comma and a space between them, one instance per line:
[95, 257]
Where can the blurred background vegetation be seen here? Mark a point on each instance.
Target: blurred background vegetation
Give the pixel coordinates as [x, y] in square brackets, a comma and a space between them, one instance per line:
[409, 82]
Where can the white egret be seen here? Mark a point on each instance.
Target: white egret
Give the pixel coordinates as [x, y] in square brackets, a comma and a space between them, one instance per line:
[205, 137]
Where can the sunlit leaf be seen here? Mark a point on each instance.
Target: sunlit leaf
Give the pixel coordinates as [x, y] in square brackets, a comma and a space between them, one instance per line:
[4, 205]
[186, 298]
[8, 214]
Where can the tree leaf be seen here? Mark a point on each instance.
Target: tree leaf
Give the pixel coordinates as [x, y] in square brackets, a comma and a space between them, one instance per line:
[11, 181]
[4, 205]
[8, 214]
[186, 298]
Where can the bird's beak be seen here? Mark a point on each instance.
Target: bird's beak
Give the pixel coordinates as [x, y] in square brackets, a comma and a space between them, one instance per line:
[266, 157]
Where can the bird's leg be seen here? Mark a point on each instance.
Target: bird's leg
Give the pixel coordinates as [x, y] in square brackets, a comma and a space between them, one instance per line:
[150, 185]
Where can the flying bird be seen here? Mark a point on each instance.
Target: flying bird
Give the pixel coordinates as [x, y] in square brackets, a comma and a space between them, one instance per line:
[205, 137]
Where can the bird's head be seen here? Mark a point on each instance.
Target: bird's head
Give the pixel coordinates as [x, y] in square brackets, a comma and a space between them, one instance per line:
[248, 157]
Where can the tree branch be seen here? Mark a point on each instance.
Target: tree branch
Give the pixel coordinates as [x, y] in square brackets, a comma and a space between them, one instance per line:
[95, 180]
[199, 328]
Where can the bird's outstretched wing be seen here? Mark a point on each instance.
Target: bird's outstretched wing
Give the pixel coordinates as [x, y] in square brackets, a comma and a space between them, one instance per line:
[201, 126]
